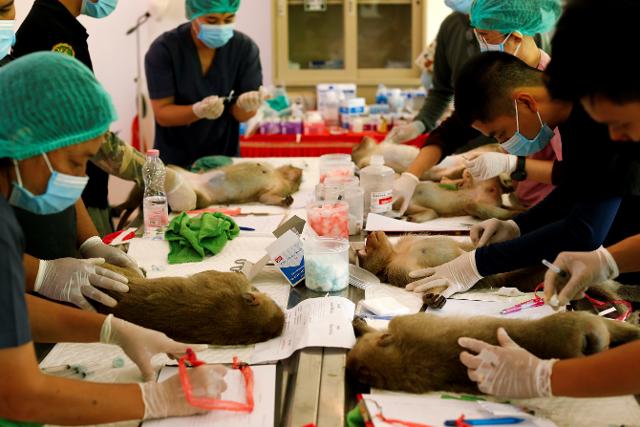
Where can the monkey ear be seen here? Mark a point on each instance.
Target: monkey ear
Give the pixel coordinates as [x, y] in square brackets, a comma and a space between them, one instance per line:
[360, 327]
[385, 340]
[250, 298]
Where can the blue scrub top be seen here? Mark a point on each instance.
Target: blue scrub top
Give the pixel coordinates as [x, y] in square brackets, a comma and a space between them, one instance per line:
[14, 319]
[173, 70]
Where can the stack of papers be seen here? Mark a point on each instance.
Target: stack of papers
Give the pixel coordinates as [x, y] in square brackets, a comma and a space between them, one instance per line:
[377, 222]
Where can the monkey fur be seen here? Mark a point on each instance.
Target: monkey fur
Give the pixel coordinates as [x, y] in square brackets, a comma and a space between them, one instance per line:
[420, 353]
[207, 308]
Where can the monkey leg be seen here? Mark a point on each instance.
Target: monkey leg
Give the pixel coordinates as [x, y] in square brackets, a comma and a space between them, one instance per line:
[486, 211]
[276, 200]
[420, 214]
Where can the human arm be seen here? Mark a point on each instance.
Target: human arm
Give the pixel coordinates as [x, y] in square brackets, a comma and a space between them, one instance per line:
[489, 165]
[627, 254]
[248, 84]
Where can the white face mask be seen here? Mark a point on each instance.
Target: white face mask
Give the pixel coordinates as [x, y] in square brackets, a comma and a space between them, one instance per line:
[488, 47]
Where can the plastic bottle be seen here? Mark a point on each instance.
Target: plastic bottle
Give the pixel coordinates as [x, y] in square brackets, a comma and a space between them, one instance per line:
[155, 210]
[376, 181]
[331, 112]
[381, 94]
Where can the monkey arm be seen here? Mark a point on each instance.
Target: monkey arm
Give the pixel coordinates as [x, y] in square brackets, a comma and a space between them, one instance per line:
[627, 254]
[610, 373]
[34, 396]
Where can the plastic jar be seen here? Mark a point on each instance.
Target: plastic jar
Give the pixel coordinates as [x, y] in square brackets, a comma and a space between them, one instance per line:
[336, 165]
[326, 264]
[347, 189]
[329, 219]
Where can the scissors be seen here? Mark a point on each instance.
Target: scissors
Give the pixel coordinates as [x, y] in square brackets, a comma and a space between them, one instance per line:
[239, 265]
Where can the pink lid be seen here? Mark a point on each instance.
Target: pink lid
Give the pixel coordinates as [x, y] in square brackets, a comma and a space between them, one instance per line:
[153, 152]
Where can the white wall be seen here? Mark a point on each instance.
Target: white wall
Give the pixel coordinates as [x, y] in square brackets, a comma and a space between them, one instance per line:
[114, 54]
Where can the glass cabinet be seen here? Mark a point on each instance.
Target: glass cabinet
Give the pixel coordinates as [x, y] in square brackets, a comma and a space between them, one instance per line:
[361, 41]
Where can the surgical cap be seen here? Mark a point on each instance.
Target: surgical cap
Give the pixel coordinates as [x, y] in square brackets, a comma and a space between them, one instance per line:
[197, 8]
[528, 17]
[49, 101]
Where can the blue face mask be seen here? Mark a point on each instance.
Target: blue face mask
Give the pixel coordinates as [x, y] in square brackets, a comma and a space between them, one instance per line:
[488, 47]
[519, 145]
[62, 192]
[215, 36]
[7, 37]
[427, 80]
[462, 6]
[99, 9]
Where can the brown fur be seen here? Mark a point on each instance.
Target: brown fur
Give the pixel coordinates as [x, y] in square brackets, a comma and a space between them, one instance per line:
[420, 353]
[209, 307]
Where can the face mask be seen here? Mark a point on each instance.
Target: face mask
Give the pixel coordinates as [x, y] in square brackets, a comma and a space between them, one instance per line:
[7, 37]
[215, 36]
[462, 6]
[519, 145]
[62, 192]
[488, 47]
[99, 9]
[427, 80]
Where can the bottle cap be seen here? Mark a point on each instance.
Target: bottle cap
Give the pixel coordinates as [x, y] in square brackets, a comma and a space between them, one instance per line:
[153, 153]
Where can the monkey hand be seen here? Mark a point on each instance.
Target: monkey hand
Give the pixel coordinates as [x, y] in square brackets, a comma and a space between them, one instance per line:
[93, 247]
[455, 276]
[506, 370]
[141, 344]
[167, 399]
[493, 231]
[584, 268]
[489, 165]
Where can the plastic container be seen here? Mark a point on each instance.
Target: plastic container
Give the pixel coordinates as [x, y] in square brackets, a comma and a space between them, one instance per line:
[381, 94]
[329, 219]
[376, 181]
[292, 127]
[331, 110]
[332, 165]
[271, 126]
[326, 263]
[347, 189]
[154, 207]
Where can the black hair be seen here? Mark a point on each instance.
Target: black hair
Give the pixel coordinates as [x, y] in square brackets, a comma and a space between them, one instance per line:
[593, 51]
[485, 83]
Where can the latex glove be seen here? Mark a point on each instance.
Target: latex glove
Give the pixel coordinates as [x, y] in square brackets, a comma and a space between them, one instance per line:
[404, 133]
[209, 108]
[585, 269]
[403, 189]
[93, 247]
[74, 280]
[507, 370]
[489, 165]
[180, 195]
[458, 275]
[167, 399]
[493, 231]
[141, 344]
[251, 101]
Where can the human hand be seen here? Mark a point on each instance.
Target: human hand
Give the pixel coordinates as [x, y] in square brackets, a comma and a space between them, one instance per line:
[485, 166]
[456, 276]
[93, 247]
[209, 108]
[404, 133]
[493, 231]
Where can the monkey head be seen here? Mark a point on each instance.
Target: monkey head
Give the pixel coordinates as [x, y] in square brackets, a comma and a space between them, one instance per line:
[377, 253]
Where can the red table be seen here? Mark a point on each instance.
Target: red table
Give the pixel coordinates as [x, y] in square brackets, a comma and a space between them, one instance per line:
[307, 145]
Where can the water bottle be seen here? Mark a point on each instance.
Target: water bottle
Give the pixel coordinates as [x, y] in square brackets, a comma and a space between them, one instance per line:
[332, 108]
[376, 181]
[154, 207]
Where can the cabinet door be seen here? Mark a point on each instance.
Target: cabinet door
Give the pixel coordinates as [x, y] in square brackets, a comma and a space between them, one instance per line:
[389, 39]
[312, 43]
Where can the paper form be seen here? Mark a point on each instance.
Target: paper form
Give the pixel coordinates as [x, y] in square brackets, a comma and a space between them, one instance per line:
[315, 322]
[377, 222]
[263, 414]
[264, 225]
[435, 411]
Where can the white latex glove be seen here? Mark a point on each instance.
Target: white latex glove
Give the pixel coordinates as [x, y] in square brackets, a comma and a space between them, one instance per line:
[180, 195]
[403, 189]
[209, 108]
[489, 165]
[493, 231]
[585, 269]
[458, 275]
[141, 344]
[507, 370]
[74, 280]
[167, 399]
[404, 133]
[251, 101]
[93, 247]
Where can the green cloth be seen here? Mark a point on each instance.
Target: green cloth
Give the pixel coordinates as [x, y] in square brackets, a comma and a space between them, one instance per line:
[191, 239]
[529, 17]
[204, 164]
[7, 423]
[354, 418]
[50, 101]
[197, 8]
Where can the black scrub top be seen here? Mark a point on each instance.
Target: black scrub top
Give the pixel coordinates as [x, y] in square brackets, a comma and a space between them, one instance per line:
[14, 319]
[50, 26]
[173, 70]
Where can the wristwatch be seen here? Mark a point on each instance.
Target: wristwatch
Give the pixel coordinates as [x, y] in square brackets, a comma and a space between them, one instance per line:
[520, 174]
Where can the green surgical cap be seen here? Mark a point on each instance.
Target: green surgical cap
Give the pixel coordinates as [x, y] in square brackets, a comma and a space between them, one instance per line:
[529, 17]
[49, 101]
[197, 8]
